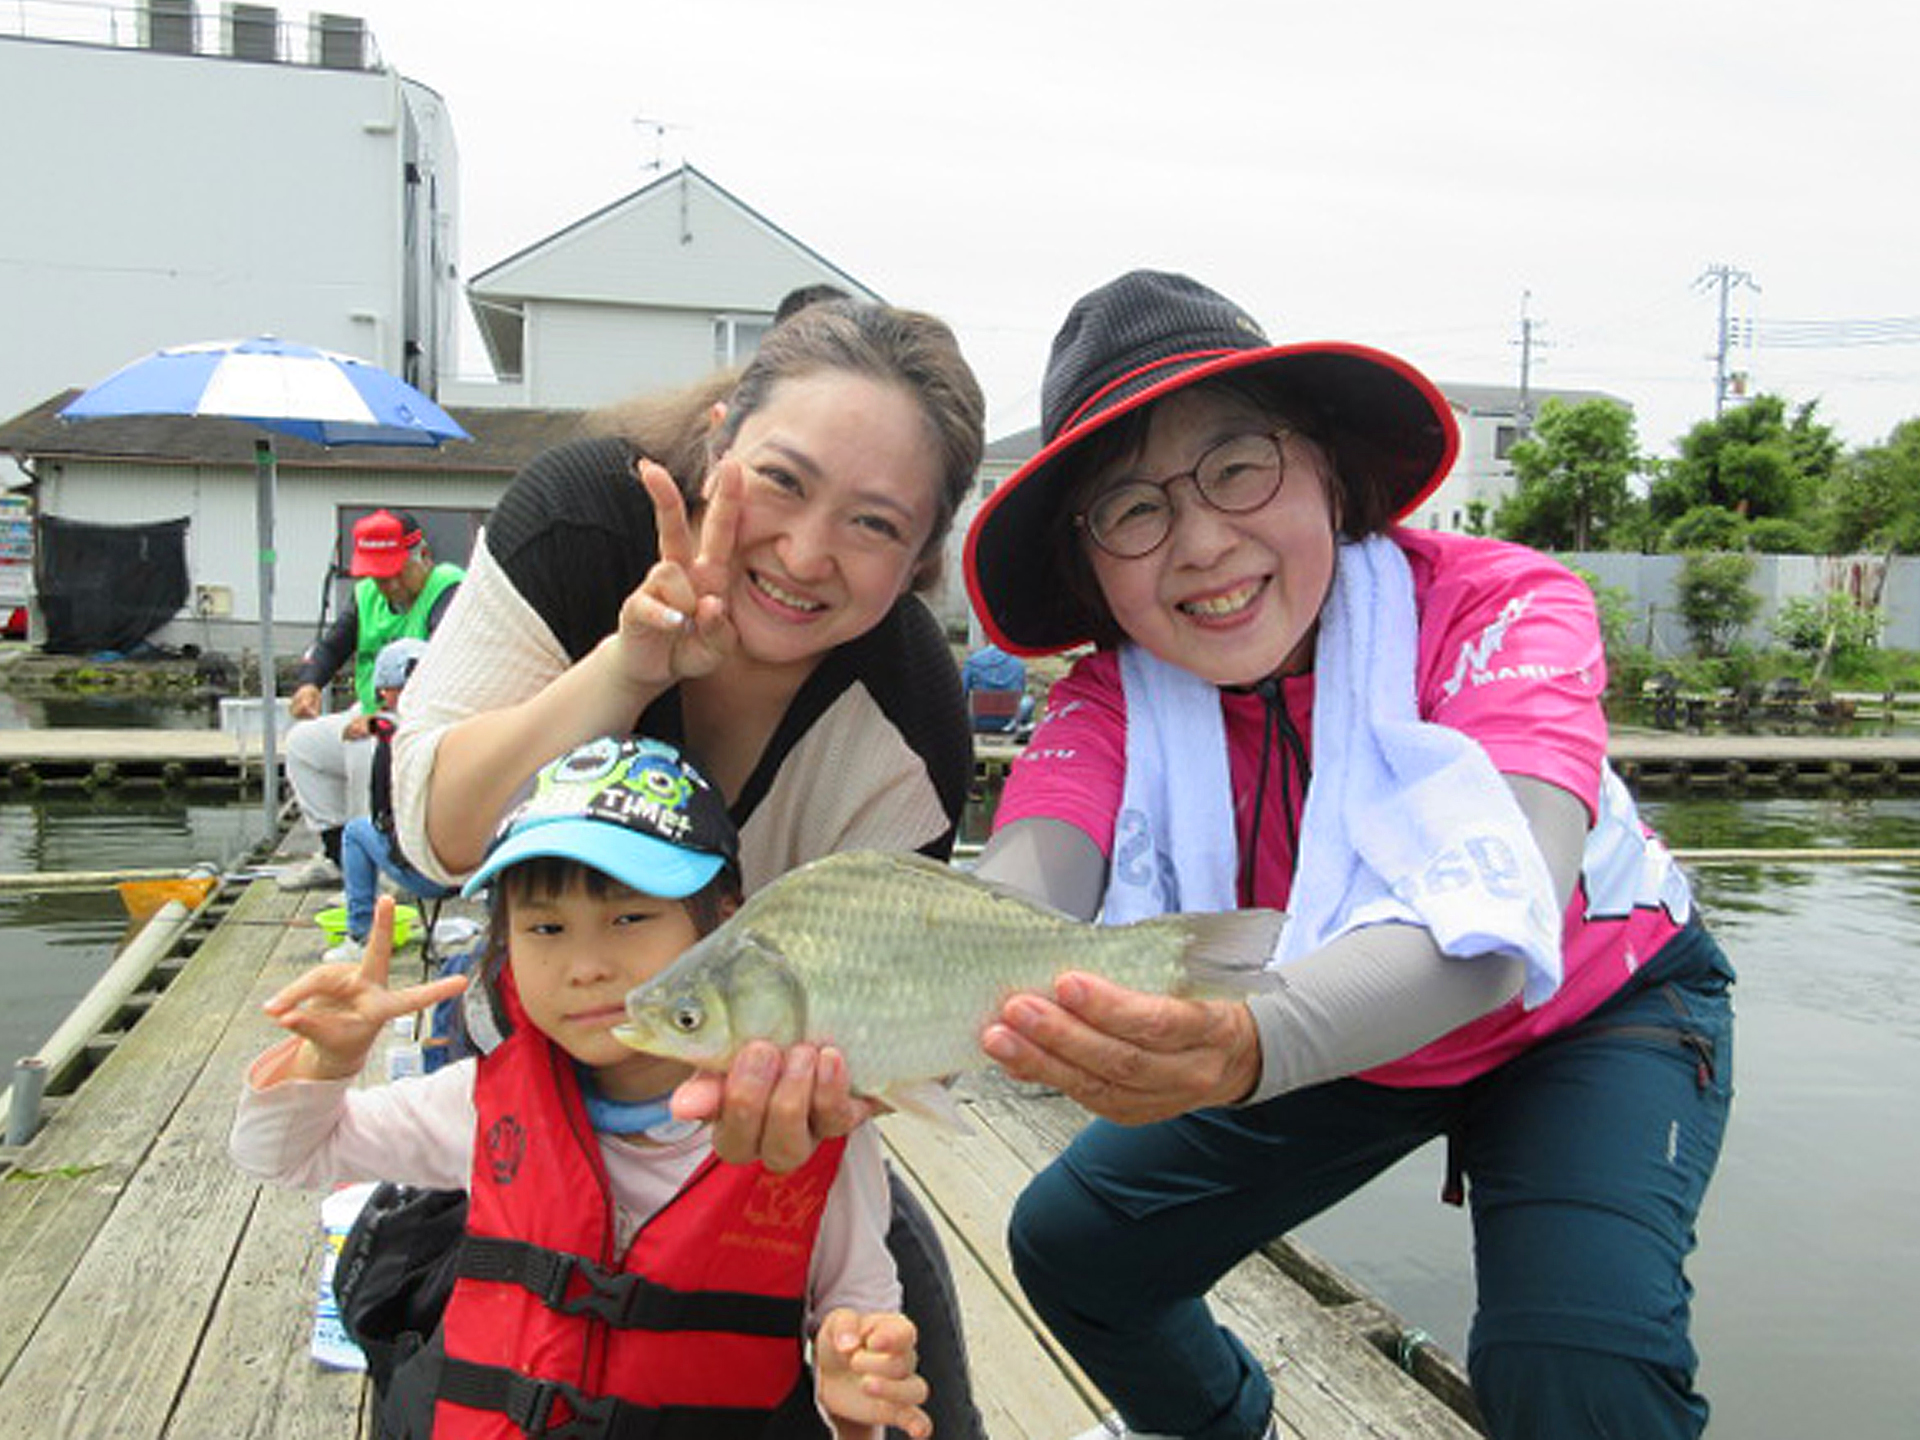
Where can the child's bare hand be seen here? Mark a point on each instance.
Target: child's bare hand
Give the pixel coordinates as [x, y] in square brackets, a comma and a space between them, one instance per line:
[675, 625]
[868, 1371]
[339, 1009]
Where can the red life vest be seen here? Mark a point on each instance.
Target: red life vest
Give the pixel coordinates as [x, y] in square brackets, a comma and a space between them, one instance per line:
[699, 1322]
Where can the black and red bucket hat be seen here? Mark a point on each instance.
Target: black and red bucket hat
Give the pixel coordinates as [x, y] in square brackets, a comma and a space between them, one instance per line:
[1137, 340]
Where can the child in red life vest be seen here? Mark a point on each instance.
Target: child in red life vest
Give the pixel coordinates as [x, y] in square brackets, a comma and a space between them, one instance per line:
[614, 1270]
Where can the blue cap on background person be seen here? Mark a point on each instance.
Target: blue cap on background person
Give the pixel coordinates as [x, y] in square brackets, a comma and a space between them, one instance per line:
[395, 663]
[634, 809]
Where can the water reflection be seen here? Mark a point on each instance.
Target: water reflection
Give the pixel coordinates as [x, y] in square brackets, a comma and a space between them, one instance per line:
[1809, 1225]
[108, 712]
[54, 944]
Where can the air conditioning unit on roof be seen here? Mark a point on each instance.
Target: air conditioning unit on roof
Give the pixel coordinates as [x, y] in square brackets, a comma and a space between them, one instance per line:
[340, 42]
[168, 25]
[253, 32]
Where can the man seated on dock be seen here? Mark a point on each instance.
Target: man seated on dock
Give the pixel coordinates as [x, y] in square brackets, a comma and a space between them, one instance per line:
[400, 592]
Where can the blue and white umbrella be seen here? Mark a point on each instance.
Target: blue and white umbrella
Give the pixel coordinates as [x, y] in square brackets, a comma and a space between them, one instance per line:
[288, 388]
[294, 389]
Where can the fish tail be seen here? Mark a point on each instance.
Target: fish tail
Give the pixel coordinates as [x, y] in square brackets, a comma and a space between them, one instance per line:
[1227, 951]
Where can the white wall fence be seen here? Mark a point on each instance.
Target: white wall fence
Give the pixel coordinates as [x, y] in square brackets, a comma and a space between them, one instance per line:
[1652, 582]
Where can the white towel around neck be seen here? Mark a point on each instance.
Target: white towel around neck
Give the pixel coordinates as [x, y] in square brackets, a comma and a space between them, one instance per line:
[1404, 821]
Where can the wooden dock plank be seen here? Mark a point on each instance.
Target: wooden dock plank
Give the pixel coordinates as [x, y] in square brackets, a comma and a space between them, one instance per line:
[1025, 1384]
[72, 1177]
[1329, 1380]
[254, 1375]
[134, 1312]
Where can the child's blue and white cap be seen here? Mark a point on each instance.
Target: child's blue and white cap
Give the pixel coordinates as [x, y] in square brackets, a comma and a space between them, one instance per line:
[395, 663]
[634, 809]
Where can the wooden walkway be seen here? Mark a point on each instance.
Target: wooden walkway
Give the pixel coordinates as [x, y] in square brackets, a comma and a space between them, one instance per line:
[1648, 760]
[148, 1289]
[101, 758]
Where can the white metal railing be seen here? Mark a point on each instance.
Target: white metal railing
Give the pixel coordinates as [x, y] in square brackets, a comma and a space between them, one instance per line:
[219, 28]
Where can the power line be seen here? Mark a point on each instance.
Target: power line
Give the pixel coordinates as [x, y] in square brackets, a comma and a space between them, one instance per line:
[1827, 334]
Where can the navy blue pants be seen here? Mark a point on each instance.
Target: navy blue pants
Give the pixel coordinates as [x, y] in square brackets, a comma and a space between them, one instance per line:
[1586, 1158]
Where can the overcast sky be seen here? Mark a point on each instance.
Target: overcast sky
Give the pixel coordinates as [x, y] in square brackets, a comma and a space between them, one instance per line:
[1401, 173]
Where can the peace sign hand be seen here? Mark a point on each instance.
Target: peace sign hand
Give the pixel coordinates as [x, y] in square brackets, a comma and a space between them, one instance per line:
[338, 1010]
[675, 626]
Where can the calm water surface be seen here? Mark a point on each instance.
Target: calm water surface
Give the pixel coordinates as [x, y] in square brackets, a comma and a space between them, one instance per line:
[1809, 1258]
[1809, 1254]
[55, 944]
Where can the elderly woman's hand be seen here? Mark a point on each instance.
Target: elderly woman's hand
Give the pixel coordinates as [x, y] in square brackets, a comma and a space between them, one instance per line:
[1125, 1055]
[774, 1107]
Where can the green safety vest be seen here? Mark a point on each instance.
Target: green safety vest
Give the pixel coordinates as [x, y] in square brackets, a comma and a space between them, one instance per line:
[381, 624]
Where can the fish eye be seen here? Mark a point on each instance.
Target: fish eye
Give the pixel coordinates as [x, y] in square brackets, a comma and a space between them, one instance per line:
[687, 1016]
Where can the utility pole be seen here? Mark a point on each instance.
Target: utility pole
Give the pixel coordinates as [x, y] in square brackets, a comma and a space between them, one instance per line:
[1725, 277]
[1526, 342]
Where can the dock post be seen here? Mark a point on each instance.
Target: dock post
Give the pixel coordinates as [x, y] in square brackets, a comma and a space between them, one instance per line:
[23, 1112]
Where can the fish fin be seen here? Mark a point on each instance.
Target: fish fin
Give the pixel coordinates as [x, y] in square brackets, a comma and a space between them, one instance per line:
[947, 874]
[931, 1100]
[1228, 951]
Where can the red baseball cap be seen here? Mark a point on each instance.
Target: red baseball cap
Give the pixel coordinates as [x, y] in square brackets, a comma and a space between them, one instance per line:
[382, 541]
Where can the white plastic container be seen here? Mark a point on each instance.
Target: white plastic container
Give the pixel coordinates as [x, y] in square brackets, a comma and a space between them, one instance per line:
[241, 715]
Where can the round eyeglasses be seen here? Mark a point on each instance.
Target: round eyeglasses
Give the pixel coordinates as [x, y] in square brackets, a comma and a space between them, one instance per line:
[1235, 476]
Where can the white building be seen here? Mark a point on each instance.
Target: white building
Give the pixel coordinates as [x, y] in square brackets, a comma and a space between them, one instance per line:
[176, 172]
[650, 292]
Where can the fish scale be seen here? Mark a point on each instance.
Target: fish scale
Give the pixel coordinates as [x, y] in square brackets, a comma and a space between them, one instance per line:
[899, 961]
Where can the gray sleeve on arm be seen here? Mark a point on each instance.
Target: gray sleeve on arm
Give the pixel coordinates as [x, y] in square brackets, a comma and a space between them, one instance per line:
[1381, 992]
[1050, 860]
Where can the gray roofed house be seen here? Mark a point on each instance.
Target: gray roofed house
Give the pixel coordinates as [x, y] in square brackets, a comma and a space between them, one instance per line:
[650, 291]
[147, 469]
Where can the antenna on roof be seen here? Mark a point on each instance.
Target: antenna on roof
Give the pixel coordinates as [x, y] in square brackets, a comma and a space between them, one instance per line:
[659, 130]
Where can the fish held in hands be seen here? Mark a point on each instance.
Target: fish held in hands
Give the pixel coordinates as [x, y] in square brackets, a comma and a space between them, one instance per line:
[899, 962]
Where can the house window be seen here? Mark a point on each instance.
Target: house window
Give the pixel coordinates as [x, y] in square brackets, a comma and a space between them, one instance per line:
[737, 337]
[1504, 439]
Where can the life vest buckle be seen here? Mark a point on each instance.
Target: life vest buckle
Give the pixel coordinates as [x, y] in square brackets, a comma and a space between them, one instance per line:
[531, 1405]
[608, 1298]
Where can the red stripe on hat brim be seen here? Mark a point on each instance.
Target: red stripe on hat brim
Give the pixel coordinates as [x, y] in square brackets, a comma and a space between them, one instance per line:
[1015, 490]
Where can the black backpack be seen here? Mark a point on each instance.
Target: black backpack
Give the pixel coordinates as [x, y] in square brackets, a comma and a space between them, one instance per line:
[392, 1282]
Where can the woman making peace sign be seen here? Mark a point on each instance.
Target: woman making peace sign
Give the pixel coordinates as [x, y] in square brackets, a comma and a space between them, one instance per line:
[735, 569]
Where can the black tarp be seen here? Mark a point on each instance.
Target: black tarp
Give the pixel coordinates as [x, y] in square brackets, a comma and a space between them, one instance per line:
[108, 587]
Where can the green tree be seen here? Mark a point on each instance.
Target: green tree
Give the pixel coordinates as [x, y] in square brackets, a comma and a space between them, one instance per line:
[1706, 527]
[1752, 461]
[1716, 600]
[1571, 477]
[1773, 535]
[1834, 624]
[1873, 500]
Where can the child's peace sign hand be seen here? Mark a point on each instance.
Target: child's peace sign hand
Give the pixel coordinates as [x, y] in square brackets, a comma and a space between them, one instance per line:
[338, 1009]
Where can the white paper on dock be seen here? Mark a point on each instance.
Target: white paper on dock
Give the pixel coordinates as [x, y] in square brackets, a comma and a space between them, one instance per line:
[331, 1345]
